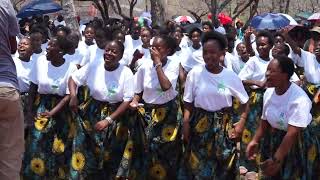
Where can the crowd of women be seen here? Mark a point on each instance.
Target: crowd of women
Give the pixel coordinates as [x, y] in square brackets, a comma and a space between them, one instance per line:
[162, 103]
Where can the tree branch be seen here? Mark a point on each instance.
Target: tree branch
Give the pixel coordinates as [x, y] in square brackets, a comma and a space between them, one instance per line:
[242, 9]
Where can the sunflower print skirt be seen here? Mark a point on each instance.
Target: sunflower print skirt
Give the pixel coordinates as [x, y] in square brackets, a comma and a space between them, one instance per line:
[311, 90]
[303, 159]
[48, 146]
[161, 140]
[106, 154]
[210, 153]
[252, 123]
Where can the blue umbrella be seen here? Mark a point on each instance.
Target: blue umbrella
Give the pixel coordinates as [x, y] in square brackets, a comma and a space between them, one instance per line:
[269, 21]
[38, 7]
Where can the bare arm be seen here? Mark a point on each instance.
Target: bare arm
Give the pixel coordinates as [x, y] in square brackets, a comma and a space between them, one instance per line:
[73, 95]
[188, 107]
[120, 110]
[247, 41]
[260, 84]
[60, 105]
[295, 48]
[182, 76]
[165, 84]
[251, 147]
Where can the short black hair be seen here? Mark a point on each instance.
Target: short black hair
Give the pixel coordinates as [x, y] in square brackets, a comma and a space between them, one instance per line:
[170, 43]
[278, 34]
[104, 32]
[208, 23]
[286, 65]
[65, 29]
[265, 33]
[194, 29]
[120, 45]
[213, 35]
[64, 44]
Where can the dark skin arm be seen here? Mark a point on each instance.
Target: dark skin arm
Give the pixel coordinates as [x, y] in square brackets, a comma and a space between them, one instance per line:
[136, 56]
[295, 48]
[32, 95]
[239, 126]
[57, 108]
[13, 44]
[260, 84]
[247, 41]
[73, 95]
[188, 107]
[119, 111]
[135, 101]
[182, 76]
[157, 58]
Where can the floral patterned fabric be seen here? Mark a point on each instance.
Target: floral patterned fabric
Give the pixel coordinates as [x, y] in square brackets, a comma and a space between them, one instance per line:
[210, 153]
[49, 142]
[162, 141]
[302, 161]
[107, 154]
[252, 123]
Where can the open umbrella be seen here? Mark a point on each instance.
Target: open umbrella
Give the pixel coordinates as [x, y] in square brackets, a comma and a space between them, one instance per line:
[38, 7]
[224, 19]
[292, 21]
[269, 21]
[314, 17]
[181, 19]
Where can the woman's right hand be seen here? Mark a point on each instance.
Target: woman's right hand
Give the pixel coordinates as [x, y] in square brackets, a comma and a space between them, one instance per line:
[186, 132]
[133, 105]
[251, 150]
[73, 103]
[248, 32]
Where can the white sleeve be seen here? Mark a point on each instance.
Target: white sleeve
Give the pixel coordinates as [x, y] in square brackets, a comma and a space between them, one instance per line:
[80, 76]
[138, 80]
[128, 86]
[247, 71]
[189, 88]
[228, 61]
[305, 58]
[237, 89]
[299, 113]
[34, 73]
[86, 58]
[294, 78]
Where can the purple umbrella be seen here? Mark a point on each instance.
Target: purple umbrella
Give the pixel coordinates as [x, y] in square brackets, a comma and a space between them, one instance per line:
[269, 21]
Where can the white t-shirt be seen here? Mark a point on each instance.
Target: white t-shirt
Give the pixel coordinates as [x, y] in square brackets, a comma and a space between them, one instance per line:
[238, 65]
[256, 68]
[212, 92]
[220, 29]
[23, 73]
[51, 79]
[195, 58]
[293, 107]
[229, 59]
[44, 46]
[35, 57]
[94, 54]
[146, 81]
[108, 86]
[75, 58]
[311, 67]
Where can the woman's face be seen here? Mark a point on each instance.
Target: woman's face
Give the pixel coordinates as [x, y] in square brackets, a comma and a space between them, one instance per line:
[263, 46]
[206, 28]
[278, 40]
[53, 50]
[212, 53]
[317, 49]
[195, 38]
[178, 37]
[160, 45]
[146, 37]
[89, 34]
[275, 77]
[112, 54]
[36, 39]
[25, 49]
[120, 37]
[277, 50]
[242, 50]
[61, 33]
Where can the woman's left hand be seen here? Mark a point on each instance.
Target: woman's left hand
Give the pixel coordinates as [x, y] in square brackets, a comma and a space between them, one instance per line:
[316, 98]
[236, 131]
[270, 167]
[101, 125]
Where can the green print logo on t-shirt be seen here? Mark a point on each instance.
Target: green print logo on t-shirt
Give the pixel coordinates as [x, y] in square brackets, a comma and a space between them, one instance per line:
[221, 87]
[281, 123]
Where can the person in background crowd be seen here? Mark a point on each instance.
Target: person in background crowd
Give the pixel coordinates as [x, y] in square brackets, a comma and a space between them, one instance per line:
[290, 147]
[118, 35]
[11, 116]
[59, 21]
[207, 26]
[243, 57]
[49, 142]
[208, 128]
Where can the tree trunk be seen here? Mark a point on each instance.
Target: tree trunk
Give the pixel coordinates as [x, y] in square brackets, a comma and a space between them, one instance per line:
[70, 14]
[158, 12]
[287, 7]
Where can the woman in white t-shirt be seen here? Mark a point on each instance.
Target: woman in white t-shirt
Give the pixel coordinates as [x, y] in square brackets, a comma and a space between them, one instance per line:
[104, 127]
[49, 143]
[24, 66]
[208, 128]
[290, 148]
[155, 86]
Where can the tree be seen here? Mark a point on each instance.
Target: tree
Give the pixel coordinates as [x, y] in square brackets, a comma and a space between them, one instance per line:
[194, 8]
[215, 7]
[158, 12]
[118, 9]
[17, 3]
[70, 14]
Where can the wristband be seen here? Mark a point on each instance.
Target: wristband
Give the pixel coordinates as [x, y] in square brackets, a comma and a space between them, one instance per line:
[109, 120]
[157, 65]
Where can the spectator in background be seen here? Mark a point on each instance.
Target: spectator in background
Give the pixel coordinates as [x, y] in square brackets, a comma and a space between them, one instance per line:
[59, 21]
[11, 116]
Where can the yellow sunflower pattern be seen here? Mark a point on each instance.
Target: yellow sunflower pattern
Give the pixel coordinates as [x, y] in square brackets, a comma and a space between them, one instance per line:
[254, 97]
[58, 146]
[128, 150]
[78, 161]
[158, 114]
[312, 89]
[194, 161]
[142, 111]
[40, 123]
[236, 104]
[169, 133]
[38, 166]
[87, 126]
[312, 153]
[202, 125]
[157, 171]
[246, 136]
